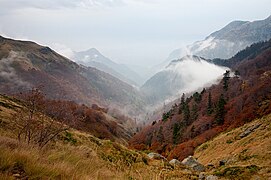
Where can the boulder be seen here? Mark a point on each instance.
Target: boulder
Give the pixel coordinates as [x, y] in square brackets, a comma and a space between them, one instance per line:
[249, 130]
[156, 156]
[175, 162]
[202, 176]
[191, 162]
[211, 177]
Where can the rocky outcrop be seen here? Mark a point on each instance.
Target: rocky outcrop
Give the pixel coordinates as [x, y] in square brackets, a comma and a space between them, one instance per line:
[191, 162]
[175, 162]
[156, 156]
[249, 130]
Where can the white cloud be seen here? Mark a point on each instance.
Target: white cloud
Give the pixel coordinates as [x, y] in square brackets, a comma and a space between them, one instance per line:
[195, 74]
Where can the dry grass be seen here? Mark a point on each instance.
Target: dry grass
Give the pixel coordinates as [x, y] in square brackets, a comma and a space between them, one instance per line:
[251, 151]
[85, 161]
[75, 155]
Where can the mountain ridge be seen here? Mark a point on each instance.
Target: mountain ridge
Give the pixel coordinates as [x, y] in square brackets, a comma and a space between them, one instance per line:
[61, 77]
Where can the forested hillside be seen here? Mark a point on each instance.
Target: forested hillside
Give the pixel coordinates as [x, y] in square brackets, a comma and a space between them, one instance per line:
[242, 95]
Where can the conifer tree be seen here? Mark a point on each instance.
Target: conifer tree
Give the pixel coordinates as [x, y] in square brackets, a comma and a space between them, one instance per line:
[220, 111]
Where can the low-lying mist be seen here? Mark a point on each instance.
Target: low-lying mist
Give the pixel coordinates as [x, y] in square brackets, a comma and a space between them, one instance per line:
[186, 75]
[195, 73]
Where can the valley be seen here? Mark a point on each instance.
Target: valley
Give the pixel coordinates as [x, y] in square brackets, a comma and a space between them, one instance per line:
[201, 115]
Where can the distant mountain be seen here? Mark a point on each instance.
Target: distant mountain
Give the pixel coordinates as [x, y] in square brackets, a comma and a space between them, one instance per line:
[93, 58]
[25, 64]
[227, 41]
[186, 74]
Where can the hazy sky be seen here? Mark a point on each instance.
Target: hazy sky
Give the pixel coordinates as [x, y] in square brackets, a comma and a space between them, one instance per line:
[141, 32]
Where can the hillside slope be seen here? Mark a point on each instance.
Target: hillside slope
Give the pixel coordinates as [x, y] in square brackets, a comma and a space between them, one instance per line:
[26, 64]
[72, 154]
[241, 148]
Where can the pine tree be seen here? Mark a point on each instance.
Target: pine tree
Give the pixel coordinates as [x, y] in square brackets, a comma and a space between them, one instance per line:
[226, 78]
[186, 113]
[194, 112]
[220, 111]
[181, 106]
[197, 97]
[176, 133]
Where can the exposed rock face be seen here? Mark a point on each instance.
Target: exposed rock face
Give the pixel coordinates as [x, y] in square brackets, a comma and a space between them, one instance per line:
[156, 156]
[191, 162]
[249, 130]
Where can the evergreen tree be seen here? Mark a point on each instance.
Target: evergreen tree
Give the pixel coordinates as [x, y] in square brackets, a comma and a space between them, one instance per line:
[186, 113]
[209, 105]
[197, 97]
[220, 110]
[226, 78]
[176, 133]
[181, 106]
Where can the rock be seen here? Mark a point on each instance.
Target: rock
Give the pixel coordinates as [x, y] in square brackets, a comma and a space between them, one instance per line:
[249, 130]
[222, 162]
[16, 175]
[191, 162]
[211, 177]
[198, 167]
[175, 162]
[156, 156]
[201, 176]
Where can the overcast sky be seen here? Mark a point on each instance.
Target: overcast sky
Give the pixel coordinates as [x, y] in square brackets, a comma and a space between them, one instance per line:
[141, 32]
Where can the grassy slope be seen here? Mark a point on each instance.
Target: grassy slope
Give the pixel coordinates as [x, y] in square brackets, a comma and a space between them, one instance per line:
[81, 156]
[247, 157]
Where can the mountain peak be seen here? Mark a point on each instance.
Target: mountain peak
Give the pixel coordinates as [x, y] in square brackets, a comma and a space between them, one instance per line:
[92, 50]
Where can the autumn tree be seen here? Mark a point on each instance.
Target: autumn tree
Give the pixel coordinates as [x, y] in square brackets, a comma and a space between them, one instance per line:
[160, 135]
[194, 112]
[30, 123]
[209, 105]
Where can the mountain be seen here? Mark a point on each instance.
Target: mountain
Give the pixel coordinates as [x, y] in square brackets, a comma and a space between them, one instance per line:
[227, 41]
[26, 64]
[93, 58]
[237, 99]
[180, 76]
